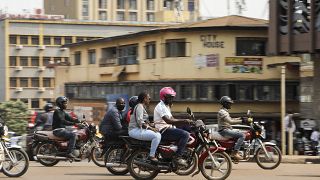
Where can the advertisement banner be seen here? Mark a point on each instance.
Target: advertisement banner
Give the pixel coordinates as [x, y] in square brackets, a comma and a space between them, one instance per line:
[210, 60]
[243, 65]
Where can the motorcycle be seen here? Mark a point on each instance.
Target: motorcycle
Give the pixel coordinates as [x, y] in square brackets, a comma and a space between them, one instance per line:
[14, 161]
[51, 149]
[210, 160]
[267, 155]
[97, 153]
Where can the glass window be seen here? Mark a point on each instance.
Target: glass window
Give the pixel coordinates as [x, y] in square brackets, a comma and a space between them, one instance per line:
[57, 60]
[35, 103]
[13, 39]
[150, 17]
[46, 61]
[103, 4]
[251, 46]
[133, 16]
[47, 40]
[168, 4]
[34, 61]
[57, 40]
[175, 48]
[77, 58]
[245, 92]
[35, 40]
[132, 4]
[85, 8]
[120, 16]
[150, 4]
[46, 82]
[13, 82]
[92, 56]
[128, 54]
[34, 82]
[186, 92]
[191, 5]
[13, 60]
[68, 40]
[24, 61]
[120, 4]
[23, 82]
[24, 40]
[108, 56]
[203, 92]
[151, 50]
[103, 15]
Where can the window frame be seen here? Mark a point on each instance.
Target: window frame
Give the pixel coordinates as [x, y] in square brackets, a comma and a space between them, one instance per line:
[77, 58]
[244, 43]
[92, 56]
[153, 46]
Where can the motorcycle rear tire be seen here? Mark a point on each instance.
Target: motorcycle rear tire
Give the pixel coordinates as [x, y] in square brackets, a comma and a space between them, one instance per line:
[50, 147]
[191, 168]
[112, 170]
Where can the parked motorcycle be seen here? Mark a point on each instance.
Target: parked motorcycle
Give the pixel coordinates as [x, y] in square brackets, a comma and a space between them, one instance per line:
[51, 149]
[212, 161]
[14, 161]
[267, 155]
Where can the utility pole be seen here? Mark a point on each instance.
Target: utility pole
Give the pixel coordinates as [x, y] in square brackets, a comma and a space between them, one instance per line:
[283, 109]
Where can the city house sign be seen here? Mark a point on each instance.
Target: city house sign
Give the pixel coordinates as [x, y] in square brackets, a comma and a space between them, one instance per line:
[210, 41]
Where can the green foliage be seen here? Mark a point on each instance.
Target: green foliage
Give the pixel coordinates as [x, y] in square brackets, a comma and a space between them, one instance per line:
[15, 115]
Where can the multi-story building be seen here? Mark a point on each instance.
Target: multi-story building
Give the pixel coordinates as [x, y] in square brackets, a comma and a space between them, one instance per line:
[202, 61]
[125, 10]
[30, 47]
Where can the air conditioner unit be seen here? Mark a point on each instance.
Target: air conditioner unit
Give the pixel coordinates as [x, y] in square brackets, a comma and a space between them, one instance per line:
[63, 49]
[19, 89]
[41, 89]
[18, 47]
[41, 47]
[41, 68]
[18, 68]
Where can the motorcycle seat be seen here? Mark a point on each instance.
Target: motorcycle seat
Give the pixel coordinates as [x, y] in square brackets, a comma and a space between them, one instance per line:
[49, 135]
[217, 136]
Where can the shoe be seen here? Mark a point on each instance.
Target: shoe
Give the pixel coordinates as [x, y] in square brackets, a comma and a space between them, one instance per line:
[71, 155]
[182, 162]
[236, 155]
[153, 160]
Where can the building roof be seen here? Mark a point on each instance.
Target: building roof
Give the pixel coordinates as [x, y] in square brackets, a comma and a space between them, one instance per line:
[232, 22]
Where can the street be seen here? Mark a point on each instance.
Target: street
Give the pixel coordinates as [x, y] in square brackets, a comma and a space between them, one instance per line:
[242, 171]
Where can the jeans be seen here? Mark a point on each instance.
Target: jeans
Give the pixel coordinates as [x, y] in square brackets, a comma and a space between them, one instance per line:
[234, 134]
[147, 135]
[177, 135]
[63, 133]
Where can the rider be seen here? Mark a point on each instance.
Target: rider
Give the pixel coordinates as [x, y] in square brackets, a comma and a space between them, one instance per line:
[164, 122]
[44, 121]
[224, 125]
[112, 126]
[133, 101]
[61, 119]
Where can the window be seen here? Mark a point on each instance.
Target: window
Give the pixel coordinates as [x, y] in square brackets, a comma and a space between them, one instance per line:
[35, 103]
[79, 39]
[150, 50]
[25, 101]
[47, 40]
[57, 60]
[203, 92]
[23, 82]
[175, 48]
[46, 61]
[35, 61]
[77, 58]
[35, 40]
[24, 61]
[150, 4]
[57, 40]
[24, 40]
[13, 82]
[46, 82]
[120, 4]
[85, 8]
[13, 61]
[103, 4]
[68, 40]
[168, 4]
[186, 92]
[251, 46]
[92, 56]
[34, 82]
[103, 15]
[133, 16]
[132, 4]
[120, 16]
[108, 56]
[128, 54]
[150, 17]
[191, 5]
[245, 92]
[13, 39]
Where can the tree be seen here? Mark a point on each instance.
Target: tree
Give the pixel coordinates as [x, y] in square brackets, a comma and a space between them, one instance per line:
[15, 116]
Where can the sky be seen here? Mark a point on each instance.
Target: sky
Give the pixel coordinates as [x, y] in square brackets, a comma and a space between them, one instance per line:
[208, 8]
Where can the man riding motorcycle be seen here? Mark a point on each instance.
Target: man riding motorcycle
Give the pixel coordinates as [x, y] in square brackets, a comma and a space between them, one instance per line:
[44, 121]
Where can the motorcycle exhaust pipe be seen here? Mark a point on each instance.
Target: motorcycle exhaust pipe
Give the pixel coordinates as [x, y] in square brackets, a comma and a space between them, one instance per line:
[50, 157]
[116, 165]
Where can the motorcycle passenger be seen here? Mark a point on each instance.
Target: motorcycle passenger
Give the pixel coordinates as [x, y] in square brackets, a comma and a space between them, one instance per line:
[112, 126]
[133, 101]
[225, 122]
[164, 122]
[44, 120]
[139, 127]
[61, 119]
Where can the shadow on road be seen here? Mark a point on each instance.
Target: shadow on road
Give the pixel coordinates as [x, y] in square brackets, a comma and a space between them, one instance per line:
[302, 175]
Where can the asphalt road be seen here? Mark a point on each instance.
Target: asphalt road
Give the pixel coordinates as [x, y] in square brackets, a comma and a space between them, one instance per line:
[242, 171]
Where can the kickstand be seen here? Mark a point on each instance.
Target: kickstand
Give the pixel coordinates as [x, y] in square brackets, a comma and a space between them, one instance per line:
[195, 173]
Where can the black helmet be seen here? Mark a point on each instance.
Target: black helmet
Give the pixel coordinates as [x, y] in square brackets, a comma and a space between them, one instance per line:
[133, 101]
[48, 107]
[226, 101]
[60, 100]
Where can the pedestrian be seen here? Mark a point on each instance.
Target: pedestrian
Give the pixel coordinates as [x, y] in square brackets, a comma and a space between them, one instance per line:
[315, 135]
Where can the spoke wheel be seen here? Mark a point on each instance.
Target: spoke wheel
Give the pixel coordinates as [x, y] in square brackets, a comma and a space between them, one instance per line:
[138, 171]
[16, 166]
[97, 157]
[270, 160]
[47, 149]
[114, 155]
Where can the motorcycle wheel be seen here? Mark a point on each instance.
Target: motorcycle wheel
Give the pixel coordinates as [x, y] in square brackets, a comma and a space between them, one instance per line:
[193, 162]
[113, 155]
[97, 157]
[47, 149]
[263, 161]
[19, 166]
[138, 171]
[209, 171]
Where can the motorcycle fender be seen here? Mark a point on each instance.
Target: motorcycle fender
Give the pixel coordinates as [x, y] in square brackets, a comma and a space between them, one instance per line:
[269, 143]
[15, 147]
[205, 154]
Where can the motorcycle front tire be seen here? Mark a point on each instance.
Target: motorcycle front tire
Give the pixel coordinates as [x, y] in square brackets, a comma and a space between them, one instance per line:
[17, 153]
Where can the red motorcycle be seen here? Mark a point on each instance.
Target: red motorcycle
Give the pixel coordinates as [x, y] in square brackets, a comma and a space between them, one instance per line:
[266, 154]
[50, 149]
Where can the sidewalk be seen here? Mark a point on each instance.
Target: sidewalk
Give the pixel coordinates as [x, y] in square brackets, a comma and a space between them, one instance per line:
[299, 159]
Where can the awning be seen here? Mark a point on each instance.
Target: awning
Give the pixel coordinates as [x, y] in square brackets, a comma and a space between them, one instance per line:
[283, 64]
[117, 71]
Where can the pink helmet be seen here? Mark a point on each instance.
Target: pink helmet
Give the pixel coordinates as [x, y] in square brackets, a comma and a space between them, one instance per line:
[166, 91]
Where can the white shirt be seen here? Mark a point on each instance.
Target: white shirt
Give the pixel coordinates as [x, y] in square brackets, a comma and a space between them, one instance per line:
[286, 121]
[159, 111]
[315, 135]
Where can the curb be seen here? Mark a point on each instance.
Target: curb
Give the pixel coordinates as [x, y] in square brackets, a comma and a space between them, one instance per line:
[301, 160]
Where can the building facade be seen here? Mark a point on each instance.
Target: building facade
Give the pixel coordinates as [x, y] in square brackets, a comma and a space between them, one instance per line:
[202, 61]
[31, 47]
[125, 10]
